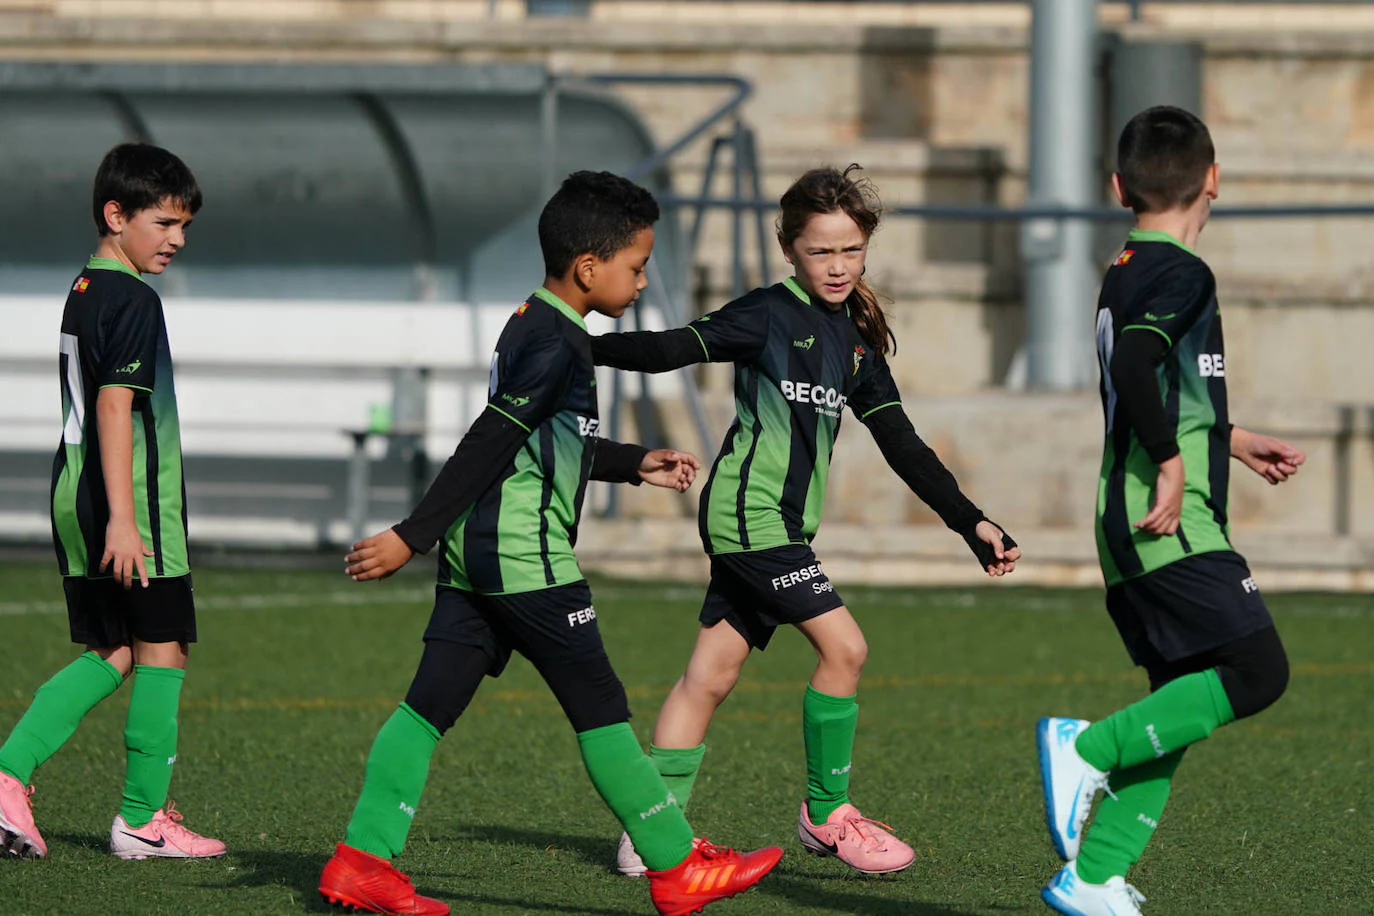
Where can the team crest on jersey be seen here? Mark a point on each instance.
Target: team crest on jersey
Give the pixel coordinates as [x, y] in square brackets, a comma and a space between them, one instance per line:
[1124, 258]
[858, 358]
[521, 309]
[80, 285]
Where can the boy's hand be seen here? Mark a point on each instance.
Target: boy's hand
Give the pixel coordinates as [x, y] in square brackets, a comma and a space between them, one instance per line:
[1273, 459]
[666, 467]
[1005, 556]
[377, 557]
[1163, 517]
[125, 549]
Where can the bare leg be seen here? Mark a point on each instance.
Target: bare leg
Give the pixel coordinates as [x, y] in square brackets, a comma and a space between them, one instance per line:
[840, 652]
[711, 674]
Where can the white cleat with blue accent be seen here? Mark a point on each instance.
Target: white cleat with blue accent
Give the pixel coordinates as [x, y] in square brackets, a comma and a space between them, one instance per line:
[1070, 783]
[1071, 895]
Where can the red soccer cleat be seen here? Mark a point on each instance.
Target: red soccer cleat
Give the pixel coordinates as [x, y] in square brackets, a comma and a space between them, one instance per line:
[709, 873]
[363, 881]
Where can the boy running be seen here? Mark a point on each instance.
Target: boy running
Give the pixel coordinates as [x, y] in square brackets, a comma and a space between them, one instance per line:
[119, 515]
[506, 506]
[1183, 600]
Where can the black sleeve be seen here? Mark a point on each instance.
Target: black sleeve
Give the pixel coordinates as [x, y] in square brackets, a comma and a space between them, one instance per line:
[648, 351]
[921, 470]
[488, 448]
[617, 462]
[1137, 355]
[1172, 305]
[128, 343]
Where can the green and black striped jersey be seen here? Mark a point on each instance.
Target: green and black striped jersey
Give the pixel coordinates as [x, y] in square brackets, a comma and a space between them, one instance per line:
[1159, 286]
[114, 335]
[519, 534]
[797, 365]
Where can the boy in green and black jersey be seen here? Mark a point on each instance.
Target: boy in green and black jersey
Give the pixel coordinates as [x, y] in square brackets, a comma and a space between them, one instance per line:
[119, 513]
[506, 507]
[1183, 600]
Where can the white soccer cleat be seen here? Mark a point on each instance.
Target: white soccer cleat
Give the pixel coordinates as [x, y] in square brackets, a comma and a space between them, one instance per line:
[1069, 782]
[1071, 895]
[627, 861]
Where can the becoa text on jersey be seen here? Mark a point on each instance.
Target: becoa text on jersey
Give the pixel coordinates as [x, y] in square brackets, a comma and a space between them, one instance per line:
[827, 400]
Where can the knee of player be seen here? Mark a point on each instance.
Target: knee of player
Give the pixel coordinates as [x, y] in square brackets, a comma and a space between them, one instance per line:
[1257, 683]
[849, 655]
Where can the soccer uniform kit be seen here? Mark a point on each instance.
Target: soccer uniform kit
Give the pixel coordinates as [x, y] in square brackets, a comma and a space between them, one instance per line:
[506, 506]
[1185, 604]
[114, 335]
[1179, 595]
[798, 364]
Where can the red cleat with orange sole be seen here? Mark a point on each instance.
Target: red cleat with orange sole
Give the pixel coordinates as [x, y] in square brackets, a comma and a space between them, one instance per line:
[709, 873]
[358, 879]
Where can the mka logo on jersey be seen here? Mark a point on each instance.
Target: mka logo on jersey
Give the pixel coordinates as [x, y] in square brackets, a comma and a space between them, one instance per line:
[828, 401]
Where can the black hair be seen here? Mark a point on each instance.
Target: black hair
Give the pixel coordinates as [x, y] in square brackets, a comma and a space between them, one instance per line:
[1162, 158]
[592, 213]
[138, 176]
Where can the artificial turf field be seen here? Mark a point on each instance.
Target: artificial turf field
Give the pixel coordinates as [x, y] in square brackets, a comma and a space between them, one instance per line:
[296, 669]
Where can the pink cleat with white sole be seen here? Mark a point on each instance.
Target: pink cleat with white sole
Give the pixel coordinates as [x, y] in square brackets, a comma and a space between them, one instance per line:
[18, 835]
[162, 837]
[859, 842]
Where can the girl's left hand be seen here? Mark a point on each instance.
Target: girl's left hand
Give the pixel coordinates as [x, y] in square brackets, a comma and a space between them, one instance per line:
[1006, 557]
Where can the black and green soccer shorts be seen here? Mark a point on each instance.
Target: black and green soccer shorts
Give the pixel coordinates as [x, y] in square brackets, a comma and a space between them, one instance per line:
[1187, 608]
[759, 590]
[102, 613]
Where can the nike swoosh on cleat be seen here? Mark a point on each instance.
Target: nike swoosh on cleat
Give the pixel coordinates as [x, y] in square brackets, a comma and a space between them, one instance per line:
[832, 848]
[161, 841]
[1072, 831]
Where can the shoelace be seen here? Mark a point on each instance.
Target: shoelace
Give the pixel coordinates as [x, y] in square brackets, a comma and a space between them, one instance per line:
[710, 850]
[1102, 784]
[857, 821]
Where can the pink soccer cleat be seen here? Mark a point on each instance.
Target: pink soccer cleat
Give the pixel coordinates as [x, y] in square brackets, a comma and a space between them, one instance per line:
[162, 837]
[18, 835]
[857, 841]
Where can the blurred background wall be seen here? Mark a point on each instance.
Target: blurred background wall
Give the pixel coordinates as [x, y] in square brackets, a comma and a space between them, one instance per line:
[931, 97]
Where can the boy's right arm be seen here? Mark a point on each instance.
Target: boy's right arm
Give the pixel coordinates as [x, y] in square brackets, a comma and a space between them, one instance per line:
[1138, 354]
[124, 547]
[489, 446]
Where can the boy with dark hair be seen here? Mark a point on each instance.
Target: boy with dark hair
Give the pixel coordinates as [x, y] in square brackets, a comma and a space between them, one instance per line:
[507, 505]
[118, 514]
[1182, 599]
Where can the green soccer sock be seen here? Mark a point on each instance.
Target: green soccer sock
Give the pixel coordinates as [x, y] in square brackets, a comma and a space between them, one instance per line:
[635, 792]
[1176, 715]
[150, 741]
[57, 709]
[1124, 824]
[679, 767]
[828, 725]
[397, 768]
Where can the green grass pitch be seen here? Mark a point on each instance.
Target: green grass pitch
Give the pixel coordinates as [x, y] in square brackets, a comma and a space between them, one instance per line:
[296, 670]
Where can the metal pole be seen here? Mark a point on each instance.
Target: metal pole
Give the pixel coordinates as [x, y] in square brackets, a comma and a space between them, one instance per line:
[1060, 280]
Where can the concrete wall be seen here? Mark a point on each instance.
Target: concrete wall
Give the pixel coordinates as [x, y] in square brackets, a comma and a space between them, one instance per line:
[932, 98]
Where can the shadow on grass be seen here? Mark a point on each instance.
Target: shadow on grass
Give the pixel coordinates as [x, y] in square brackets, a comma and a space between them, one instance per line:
[95, 842]
[815, 891]
[300, 873]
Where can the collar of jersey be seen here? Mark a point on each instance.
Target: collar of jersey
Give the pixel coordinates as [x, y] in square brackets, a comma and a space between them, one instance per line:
[795, 287]
[1155, 235]
[562, 306]
[96, 263]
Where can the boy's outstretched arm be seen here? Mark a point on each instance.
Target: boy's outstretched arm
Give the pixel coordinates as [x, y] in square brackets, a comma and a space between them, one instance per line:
[485, 451]
[922, 471]
[1273, 459]
[1137, 355]
[623, 462]
[124, 547]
